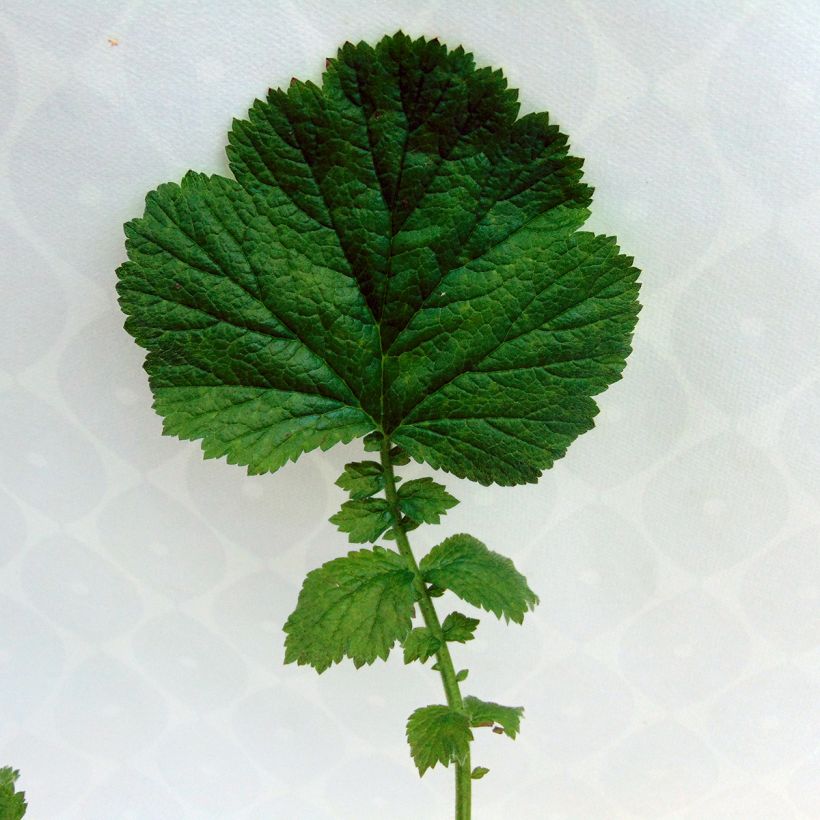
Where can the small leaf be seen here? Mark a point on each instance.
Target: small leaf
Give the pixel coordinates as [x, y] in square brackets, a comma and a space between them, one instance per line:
[425, 500]
[462, 675]
[459, 628]
[12, 803]
[399, 457]
[361, 479]
[438, 734]
[479, 576]
[406, 524]
[479, 772]
[356, 606]
[420, 644]
[435, 592]
[487, 713]
[372, 442]
[363, 520]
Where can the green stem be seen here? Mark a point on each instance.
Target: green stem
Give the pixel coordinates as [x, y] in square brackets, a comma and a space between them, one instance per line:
[431, 621]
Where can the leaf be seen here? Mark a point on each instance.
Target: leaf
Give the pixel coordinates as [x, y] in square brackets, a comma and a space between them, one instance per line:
[363, 520]
[478, 772]
[399, 253]
[372, 442]
[356, 606]
[361, 479]
[483, 713]
[459, 628]
[420, 644]
[399, 457]
[12, 803]
[461, 675]
[424, 500]
[438, 734]
[407, 525]
[479, 576]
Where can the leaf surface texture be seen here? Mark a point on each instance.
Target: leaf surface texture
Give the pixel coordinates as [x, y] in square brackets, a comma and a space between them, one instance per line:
[399, 251]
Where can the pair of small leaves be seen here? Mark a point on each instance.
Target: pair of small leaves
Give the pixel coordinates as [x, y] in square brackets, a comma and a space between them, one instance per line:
[12, 803]
[359, 605]
[421, 644]
[441, 734]
[365, 519]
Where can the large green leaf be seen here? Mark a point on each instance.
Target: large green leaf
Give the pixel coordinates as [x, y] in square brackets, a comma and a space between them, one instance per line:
[399, 252]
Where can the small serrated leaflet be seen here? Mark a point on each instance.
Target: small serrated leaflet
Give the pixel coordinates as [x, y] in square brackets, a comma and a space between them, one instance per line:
[407, 524]
[479, 576]
[424, 500]
[438, 734]
[357, 606]
[399, 457]
[361, 479]
[12, 803]
[364, 520]
[372, 442]
[420, 644]
[506, 719]
[459, 628]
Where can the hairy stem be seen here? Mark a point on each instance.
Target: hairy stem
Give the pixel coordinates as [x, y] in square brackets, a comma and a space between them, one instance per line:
[431, 621]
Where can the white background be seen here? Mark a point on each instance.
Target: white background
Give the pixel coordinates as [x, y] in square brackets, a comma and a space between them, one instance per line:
[673, 667]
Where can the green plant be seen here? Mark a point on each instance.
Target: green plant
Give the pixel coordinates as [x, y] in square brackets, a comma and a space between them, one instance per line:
[12, 803]
[399, 258]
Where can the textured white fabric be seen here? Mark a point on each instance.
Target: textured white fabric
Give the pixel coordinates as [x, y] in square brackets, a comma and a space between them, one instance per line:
[672, 669]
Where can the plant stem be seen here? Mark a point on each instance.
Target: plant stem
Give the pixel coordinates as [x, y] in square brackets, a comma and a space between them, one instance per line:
[431, 621]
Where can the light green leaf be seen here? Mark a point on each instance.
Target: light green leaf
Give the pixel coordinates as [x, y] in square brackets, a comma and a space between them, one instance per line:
[487, 713]
[420, 644]
[479, 576]
[459, 628]
[478, 772]
[438, 734]
[361, 479]
[424, 500]
[356, 606]
[462, 675]
[399, 252]
[12, 803]
[363, 520]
